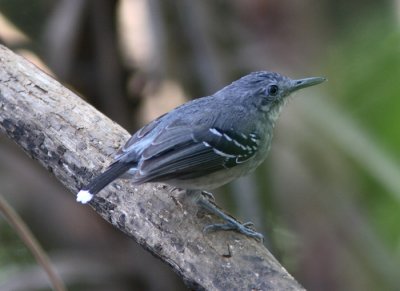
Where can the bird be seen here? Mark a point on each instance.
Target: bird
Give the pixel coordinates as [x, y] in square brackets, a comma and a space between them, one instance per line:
[206, 142]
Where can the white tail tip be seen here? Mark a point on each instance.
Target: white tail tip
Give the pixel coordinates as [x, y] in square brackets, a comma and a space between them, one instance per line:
[84, 196]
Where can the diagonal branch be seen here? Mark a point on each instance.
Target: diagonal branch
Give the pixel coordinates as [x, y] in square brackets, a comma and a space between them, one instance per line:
[75, 142]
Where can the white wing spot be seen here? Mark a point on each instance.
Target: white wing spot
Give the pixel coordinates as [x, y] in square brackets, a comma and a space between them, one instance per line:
[239, 144]
[223, 154]
[227, 137]
[215, 131]
[254, 139]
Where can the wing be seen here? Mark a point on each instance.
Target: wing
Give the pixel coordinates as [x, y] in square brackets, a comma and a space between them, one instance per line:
[136, 138]
[182, 152]
[177, 129]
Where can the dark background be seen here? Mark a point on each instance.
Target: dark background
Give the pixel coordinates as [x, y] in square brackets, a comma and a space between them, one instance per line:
[328, 196]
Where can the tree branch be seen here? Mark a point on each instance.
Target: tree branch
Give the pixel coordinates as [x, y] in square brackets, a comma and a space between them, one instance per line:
[75, 142]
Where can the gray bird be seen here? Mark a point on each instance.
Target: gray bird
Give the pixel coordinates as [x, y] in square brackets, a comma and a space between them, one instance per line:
[206, 143]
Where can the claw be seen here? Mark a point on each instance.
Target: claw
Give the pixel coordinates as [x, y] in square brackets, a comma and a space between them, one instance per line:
[230, 222]
[217, 226]
[241, 228]
[208, 195]
[173, 189]
[248, 224]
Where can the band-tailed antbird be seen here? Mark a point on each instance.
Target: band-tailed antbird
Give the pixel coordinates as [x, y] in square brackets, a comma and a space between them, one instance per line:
[206, 142]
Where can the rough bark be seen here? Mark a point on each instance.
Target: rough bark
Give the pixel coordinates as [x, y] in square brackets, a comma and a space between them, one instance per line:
[75, 142]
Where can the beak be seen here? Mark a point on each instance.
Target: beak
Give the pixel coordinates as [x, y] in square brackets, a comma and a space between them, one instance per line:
[306, 82]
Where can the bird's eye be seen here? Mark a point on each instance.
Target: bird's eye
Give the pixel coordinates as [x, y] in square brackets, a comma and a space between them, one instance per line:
[273, 90]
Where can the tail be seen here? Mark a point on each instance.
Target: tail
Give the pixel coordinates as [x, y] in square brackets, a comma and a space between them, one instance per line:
[114, 171]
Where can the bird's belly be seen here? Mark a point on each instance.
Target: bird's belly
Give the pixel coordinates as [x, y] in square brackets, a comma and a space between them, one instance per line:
[211, 181]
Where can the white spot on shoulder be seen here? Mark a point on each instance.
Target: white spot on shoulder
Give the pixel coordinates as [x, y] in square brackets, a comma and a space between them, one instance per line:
[254, 138]
[227, 137]
[206, 144]
[223, 154]
[239, 144]
[84, 196]
[215, 131]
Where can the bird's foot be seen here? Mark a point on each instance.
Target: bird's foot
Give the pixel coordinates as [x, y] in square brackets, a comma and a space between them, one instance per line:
[235, 226]
[208, 195]
[230, 222]
[177, 189]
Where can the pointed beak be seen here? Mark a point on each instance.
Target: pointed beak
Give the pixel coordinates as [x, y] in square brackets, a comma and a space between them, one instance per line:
[306, 82]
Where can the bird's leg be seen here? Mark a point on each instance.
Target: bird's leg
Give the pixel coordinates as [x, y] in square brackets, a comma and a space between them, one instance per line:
[177, 189]
[230, 222]
[208, 195]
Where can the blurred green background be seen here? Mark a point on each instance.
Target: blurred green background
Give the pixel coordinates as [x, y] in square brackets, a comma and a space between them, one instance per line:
[328, 196]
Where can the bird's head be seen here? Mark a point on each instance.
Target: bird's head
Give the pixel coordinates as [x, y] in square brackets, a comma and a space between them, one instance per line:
[267, 91]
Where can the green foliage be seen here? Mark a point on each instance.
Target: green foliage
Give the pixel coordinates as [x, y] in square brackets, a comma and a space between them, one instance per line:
[365, 80]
